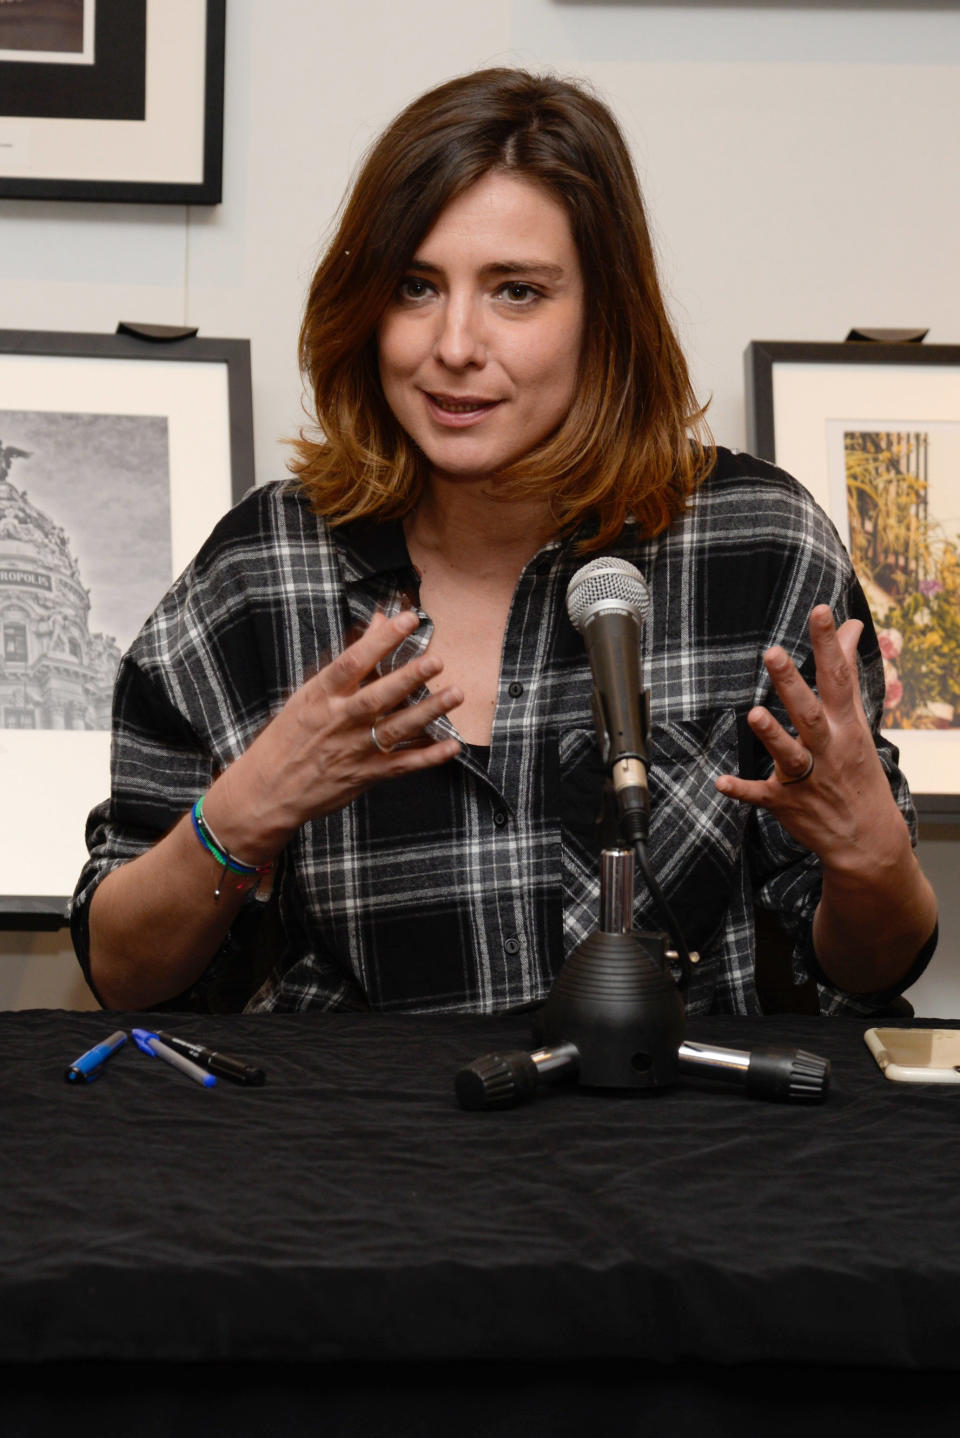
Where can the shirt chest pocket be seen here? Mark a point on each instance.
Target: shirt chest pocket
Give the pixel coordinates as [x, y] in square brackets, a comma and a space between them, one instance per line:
[695, 833]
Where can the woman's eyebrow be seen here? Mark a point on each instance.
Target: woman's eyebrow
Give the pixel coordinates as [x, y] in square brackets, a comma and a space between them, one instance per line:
[541, 268]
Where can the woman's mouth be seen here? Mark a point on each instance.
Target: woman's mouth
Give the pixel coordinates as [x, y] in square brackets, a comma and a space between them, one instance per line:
[458, 410]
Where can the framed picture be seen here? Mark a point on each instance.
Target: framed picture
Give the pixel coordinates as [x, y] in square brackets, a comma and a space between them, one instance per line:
[112, 100]
[873, 431]
[117, 457]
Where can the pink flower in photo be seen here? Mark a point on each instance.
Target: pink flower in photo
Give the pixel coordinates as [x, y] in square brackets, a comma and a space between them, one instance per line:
[891, 643]
[893, 691]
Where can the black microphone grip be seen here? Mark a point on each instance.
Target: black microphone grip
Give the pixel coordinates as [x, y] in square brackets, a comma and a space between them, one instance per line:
[612, 639]
[505, 1079]
[779, 1074]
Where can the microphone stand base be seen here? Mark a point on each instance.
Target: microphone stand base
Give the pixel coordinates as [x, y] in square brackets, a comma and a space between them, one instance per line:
[615, 1000]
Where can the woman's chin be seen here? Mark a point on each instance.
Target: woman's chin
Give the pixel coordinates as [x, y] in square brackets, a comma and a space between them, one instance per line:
[463, 473]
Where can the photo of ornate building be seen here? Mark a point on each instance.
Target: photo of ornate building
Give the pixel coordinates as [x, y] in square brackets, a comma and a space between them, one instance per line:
[54, 674]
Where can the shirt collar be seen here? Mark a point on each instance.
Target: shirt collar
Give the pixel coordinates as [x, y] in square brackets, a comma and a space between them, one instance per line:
[370, 548]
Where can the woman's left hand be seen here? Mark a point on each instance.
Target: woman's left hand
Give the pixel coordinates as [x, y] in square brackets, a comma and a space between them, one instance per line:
[829, 790]
[828, 787]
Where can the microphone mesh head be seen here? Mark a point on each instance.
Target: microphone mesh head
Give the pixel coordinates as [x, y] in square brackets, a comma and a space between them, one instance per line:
[607, 579]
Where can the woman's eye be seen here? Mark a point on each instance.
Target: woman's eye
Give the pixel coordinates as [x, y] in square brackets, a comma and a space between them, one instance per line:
[413, 288]
[517, 292]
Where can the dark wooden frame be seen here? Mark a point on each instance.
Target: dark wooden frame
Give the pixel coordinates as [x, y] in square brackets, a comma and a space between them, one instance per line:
[761, 358]
[46, 911]
[117, 38]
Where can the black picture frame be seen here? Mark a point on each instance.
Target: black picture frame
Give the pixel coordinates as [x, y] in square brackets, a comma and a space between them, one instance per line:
[810, 406]
[138, 124]
[196, 392]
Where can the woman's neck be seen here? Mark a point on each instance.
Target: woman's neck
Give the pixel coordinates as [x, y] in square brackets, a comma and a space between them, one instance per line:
[470, 549]
[464, 527]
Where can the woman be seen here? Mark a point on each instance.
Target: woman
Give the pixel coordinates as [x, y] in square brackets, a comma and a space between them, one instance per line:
[360, 723]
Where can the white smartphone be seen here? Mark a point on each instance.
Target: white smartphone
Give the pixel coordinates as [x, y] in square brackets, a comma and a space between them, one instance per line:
[917, 1055]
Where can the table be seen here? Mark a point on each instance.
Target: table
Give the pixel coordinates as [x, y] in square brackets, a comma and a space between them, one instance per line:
[347, 1244]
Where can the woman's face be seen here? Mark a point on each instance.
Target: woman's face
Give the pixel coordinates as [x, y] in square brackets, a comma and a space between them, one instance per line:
[480, 347]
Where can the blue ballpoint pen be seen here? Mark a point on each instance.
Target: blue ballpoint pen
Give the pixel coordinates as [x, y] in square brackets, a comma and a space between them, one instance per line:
[147, 1040]
[88, 1065]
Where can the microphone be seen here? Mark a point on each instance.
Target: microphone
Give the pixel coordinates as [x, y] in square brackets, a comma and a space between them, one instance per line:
[607, 601]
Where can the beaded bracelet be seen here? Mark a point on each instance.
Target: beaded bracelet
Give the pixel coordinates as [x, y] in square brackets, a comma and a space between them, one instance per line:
[250, 874]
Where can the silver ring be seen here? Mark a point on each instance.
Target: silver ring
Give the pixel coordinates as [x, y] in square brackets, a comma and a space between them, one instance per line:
[800, 777]
[376, 742]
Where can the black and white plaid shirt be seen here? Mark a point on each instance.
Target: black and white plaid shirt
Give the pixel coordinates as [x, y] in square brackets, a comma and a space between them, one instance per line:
[464, 887]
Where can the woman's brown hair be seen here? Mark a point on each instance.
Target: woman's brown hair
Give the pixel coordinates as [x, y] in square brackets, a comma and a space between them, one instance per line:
[634, 442]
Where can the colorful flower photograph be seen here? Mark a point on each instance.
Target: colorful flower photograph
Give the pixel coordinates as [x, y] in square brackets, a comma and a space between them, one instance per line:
[904, 521]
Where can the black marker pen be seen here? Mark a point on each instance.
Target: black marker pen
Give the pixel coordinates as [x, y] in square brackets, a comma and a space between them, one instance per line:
[221, 1064]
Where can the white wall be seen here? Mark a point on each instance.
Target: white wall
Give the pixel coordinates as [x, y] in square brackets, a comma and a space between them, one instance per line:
[800, 160]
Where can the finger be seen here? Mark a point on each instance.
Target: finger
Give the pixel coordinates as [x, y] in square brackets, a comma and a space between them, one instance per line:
[762, 793]
[799, 700]
[836, 664]
[407, 725]
[747, 791]
[428, 756]
[848, 636]
[410, 721]
[390, 691]
[350, 669]
[790, 755]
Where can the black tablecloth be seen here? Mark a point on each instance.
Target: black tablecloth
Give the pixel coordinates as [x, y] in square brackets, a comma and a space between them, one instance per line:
[349, 1211]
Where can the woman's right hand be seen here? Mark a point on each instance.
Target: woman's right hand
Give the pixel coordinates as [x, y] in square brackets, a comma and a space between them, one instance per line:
[318, 753]
[156, 921]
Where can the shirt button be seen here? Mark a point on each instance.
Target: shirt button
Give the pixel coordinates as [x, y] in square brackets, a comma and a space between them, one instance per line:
[500, 818]
[515, 690]
[512, 946]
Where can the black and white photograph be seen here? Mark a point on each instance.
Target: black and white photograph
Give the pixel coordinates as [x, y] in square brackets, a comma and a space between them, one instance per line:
[117, 458]
[84, 556]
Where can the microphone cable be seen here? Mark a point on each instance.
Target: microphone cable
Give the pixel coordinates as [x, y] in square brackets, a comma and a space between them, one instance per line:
[673, 928]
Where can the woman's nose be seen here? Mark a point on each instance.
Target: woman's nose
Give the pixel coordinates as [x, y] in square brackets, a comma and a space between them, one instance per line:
[460, 339]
